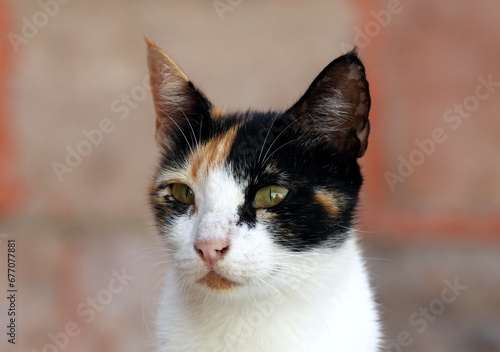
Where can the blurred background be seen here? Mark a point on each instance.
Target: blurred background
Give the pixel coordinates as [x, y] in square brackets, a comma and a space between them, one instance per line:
[77, 152]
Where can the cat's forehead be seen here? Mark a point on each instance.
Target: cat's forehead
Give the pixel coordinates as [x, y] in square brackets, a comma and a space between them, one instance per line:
[233, 142]
[212, 154]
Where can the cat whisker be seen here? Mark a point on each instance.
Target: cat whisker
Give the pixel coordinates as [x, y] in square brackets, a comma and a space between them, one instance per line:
[145, 253]
[144, 317]
[279, 135]
[267, 135]
[166, 294]
[281, 146]
[380, 259]
[189, 123]
[369, 232]
[166, 113]
[267, 284]
[291, 289]
[289, 125]
[144, 249]
[141, 276]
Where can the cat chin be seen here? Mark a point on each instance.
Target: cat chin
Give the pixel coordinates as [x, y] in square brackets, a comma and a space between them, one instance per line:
[217, 285]
[234, 294]
[238, 290]
[217, 282]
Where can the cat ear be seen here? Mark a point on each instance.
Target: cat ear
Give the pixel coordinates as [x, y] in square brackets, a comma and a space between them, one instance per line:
[336, 105]
[179, 106]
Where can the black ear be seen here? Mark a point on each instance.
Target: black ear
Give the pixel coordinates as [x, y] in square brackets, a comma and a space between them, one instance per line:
[336, 106]
[179, 106]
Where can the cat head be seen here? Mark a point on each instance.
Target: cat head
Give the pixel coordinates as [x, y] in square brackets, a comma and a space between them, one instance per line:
[237, 195]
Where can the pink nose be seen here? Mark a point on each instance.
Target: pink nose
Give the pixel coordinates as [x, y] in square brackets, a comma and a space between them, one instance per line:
[211, 251]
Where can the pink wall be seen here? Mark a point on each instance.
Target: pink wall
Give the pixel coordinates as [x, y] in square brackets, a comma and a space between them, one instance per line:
[432, 166]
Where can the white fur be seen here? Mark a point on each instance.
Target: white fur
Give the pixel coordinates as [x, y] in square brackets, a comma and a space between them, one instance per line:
[286, 302]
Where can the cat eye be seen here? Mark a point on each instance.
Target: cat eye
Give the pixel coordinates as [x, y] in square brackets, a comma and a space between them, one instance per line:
[269, 196]
[182, 193]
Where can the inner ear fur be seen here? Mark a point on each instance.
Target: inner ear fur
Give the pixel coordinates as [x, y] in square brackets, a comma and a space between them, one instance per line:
[336, 106]
[179, 106]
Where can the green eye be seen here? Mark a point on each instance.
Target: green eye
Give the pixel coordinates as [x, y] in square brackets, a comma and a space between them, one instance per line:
[269, 196]
[182, 193]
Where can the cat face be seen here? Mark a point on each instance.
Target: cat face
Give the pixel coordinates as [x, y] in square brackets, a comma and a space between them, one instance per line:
[240, 199]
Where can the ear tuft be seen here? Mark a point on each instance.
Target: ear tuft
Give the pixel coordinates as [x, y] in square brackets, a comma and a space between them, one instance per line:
[336, 106]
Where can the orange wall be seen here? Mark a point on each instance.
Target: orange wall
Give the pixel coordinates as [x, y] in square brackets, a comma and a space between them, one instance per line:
[9, 190]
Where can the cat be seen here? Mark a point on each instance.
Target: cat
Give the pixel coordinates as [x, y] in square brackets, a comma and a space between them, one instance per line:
[256, 211]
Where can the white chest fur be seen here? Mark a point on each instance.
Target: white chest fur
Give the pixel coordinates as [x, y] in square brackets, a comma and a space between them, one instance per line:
[327, 307]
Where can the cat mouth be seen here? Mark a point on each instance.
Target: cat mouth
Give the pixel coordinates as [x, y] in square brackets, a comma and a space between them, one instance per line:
[217, 282]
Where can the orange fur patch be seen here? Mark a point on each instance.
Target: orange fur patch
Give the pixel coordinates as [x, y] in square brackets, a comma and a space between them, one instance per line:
[216, 114]
[329, 201]
[217, 282]
[213, 153]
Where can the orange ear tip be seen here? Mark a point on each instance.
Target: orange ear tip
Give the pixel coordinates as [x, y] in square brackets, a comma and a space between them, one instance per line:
[150, 44]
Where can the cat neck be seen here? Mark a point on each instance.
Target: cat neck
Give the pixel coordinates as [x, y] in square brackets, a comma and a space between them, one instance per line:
[327, 312]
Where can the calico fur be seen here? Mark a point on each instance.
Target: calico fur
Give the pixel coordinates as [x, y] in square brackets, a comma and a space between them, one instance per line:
[286, 278]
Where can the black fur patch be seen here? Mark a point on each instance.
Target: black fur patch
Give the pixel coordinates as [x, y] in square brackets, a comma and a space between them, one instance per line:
[268, 151]
[310, 147]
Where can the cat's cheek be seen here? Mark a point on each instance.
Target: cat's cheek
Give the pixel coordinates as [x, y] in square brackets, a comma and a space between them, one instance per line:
[177, 234]
[253, 256]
